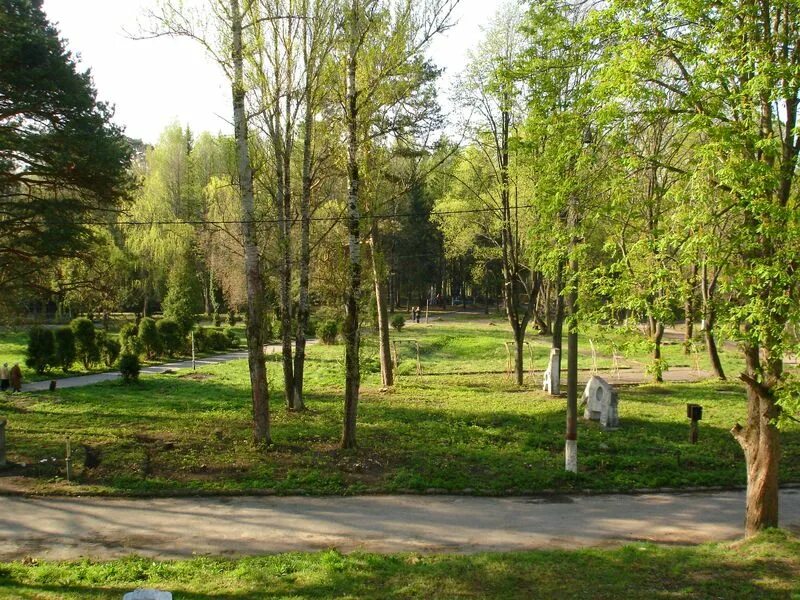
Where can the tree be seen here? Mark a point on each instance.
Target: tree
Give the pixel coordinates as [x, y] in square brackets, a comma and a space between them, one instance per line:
[228, 22]
[62, 163]
[489, 90]
[733, 66]
[404, 30]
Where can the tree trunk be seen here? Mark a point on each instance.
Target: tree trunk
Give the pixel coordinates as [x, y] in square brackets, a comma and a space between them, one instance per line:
[255, 288]
[519, 355]
[571, 305]
[657, 328]
[760, 441]
[303, 308]
[387, 376]
[351, 322]
[713, 353]
[689, 312]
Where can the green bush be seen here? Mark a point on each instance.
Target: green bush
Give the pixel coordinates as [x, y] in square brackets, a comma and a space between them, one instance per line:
[171, 336]
[233, 339]
[41, 349]
[148, 335]
[217, 340]
[109, 349]
[65, 352]
[328, 331]
[85, 341]
[129, 367]
[201, 343]
[127, 333]
[398, 322]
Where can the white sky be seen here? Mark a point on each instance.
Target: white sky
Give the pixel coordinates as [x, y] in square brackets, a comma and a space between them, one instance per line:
[155, 82]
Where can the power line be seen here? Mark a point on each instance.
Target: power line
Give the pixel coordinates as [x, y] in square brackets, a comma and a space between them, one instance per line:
[384, 216]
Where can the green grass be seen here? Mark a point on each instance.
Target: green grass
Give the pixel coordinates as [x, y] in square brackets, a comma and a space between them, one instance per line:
[764, 567]
[444, 431]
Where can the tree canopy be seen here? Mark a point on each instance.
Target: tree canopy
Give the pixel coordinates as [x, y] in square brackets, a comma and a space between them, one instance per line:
[63, 163]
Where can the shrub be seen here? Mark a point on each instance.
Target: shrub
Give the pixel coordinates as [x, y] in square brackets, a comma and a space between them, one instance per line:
[232, 318]
[129, 367]
[41, 349]
[217, 319]
[398, 322]
[65, 352]
[171, 337]
[148, 335]
[128, 332]
[233, 339]
[201, 343]
[328, 331]
[85, 341]
[217, 340]
[109, 349]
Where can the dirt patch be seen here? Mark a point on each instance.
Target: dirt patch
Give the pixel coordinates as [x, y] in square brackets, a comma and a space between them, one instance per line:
[197, 376]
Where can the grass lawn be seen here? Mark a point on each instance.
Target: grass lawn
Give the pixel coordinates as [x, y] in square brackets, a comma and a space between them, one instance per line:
[443, 431]
[767, 566]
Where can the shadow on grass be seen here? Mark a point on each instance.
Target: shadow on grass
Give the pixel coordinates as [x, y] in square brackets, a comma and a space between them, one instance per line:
[763, 568]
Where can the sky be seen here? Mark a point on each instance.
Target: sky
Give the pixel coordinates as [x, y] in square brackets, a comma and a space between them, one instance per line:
[153, 83]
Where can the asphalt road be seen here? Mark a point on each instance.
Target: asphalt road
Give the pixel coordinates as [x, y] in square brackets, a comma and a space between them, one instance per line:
[69, 528]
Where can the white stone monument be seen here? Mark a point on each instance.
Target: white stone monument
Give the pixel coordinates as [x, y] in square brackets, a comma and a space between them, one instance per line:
[147, 594]
[552, 376]
[601, 402]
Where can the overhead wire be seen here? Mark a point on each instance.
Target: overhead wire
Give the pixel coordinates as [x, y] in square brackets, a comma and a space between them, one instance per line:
[273, 220]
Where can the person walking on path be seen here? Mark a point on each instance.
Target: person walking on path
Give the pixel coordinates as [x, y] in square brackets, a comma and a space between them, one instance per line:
[4, 375]
[16, 378]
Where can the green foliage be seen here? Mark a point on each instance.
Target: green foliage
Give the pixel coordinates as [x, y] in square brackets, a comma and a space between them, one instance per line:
[41, 349]
[181, 302]
[216, 319]
[66, 352]
[61, 157]
[85, 341]
[233, 319]
[128, 332]
[110, 349]
[171, 336]
[233, 339]
[129, 367]
[328, 331]
[398, 322]
[149, 338]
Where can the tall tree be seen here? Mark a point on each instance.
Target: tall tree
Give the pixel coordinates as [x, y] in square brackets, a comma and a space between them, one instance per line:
[398, 32]
[223, 33]
[62, 163]
[733, 65]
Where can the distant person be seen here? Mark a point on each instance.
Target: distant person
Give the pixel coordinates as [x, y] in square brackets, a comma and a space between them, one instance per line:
[4, 375]
[16, 378]
[419, 310]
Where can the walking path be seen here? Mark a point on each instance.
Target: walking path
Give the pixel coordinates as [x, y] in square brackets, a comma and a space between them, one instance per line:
[84, 380]
[69, 528]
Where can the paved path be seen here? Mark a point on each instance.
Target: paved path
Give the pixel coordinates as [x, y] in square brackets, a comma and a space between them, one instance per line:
[68, 528]
[84, 380]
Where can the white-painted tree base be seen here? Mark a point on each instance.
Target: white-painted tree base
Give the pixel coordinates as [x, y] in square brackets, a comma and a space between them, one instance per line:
[571, 456]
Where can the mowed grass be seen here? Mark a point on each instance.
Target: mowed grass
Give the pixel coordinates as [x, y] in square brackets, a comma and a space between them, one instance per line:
[442, 432]
[767, 566]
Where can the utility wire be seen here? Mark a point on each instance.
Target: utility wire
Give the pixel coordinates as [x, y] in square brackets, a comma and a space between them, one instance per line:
[385, 216]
